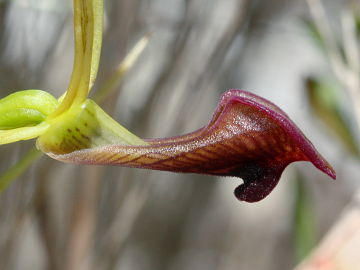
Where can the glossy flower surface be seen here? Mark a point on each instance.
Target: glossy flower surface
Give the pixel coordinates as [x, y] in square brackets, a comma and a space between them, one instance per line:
[247, 137]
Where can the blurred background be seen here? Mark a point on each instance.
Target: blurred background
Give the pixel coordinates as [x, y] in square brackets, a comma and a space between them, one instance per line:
[61, 216]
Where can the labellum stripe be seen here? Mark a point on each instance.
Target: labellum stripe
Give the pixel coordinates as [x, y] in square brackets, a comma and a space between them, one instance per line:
[248, 137]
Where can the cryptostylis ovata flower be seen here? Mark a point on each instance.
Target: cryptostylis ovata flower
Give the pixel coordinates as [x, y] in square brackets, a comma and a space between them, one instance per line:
[248, 136]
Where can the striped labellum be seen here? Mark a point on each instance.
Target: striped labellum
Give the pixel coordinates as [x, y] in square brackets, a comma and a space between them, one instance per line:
[248, 137]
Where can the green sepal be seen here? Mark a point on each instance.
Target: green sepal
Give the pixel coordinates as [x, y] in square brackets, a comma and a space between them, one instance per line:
[22, 134]
[81, 127]
[25, 108]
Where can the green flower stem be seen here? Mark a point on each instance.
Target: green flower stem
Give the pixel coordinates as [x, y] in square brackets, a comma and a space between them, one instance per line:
[19, 168]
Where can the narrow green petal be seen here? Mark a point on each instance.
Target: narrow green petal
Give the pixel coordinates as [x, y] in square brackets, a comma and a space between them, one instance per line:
[78, 65]
[87, 20]
[23, 133]
[88, 17]
[98, 11]
[82, 127]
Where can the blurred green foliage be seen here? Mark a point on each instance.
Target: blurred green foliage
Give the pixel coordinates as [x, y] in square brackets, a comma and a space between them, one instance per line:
[323, 97]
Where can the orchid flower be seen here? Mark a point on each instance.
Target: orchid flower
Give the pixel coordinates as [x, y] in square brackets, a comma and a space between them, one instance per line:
[248, 136]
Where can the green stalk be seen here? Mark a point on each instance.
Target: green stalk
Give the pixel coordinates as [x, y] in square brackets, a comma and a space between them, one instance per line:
[19, 168]
[304, 227]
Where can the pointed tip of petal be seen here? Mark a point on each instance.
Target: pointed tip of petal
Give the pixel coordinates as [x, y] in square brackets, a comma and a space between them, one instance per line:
[329, 171]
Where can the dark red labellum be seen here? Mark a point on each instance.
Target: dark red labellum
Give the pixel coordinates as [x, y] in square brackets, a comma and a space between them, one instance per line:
[248, 137]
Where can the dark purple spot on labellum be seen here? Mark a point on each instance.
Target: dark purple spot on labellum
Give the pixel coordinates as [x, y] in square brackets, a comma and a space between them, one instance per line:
[248, 137]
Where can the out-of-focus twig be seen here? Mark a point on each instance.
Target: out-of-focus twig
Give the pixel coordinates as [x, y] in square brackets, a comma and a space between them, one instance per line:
[340, 248]
[346, 70]
[45, 216]
[351, 49]
[126, 64]
[211, 65]
[318, 14]
[82, 229]
[113, 241]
